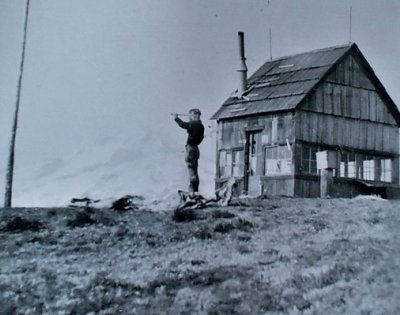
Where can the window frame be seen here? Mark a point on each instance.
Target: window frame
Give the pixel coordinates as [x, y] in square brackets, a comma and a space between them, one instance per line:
[368, 167]
[384, 170]
[346, 158]
[309, 165]
[229, 164]
[279, 153]
[239, 164]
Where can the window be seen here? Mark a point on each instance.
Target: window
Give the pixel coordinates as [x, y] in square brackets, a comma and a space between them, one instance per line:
[351, 165]
[231, 163]
[278, 160]
[368, 168]
[386, 170]
[225, 163]
[343, 165]
[228, 166]
[237, 163]
[347, 165]
[309, 159]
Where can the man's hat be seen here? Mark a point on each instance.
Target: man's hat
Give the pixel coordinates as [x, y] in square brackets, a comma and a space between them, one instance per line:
[195, 111]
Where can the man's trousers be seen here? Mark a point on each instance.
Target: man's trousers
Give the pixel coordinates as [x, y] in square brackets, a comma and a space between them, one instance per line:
[192, 157]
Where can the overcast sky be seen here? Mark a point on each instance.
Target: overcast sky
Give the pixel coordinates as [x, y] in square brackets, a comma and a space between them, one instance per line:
[96, 68]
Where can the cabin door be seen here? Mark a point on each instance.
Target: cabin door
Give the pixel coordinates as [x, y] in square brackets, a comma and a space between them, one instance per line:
[253, 163]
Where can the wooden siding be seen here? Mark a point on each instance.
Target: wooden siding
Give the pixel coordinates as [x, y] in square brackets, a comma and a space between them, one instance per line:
[309, 187]
[275, 129]
[352, 102]
[350, 73]
[345, 110]
[348, 92]
[278, 186]
[346, 132]
[356, 96]
[306, 186]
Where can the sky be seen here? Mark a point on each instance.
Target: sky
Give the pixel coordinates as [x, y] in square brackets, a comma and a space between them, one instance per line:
[96, 69]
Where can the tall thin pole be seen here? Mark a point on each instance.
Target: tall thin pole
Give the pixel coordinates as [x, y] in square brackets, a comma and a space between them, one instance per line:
[11, 158]
[269, 16]
[350, 26]
[270, 44]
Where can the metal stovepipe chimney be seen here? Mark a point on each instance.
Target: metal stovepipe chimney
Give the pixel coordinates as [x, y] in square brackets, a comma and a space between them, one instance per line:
[242, 68]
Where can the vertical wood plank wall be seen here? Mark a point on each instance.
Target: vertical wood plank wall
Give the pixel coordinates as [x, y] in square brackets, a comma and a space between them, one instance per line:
[346, 110]
[232, 133]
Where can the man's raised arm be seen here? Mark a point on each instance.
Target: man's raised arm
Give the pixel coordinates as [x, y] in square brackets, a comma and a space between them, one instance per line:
[180, 122]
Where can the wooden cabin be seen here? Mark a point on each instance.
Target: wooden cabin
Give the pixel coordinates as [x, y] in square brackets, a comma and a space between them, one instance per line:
[291, 108]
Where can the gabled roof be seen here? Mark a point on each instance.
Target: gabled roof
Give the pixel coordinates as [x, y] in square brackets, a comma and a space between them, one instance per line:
[281, 84]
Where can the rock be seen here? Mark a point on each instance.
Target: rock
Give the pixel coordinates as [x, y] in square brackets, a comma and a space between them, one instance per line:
[126, 203]
[18, 224]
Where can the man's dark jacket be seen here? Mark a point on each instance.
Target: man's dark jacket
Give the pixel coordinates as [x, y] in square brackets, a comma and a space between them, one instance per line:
[195, 130]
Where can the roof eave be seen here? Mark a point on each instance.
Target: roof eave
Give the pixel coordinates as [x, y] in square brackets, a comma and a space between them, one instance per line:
[243, 116]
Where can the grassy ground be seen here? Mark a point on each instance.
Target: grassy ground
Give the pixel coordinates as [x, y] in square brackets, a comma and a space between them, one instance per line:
[287, 256]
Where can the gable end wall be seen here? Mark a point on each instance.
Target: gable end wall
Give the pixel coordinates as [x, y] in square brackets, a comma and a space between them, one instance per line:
[346, 110]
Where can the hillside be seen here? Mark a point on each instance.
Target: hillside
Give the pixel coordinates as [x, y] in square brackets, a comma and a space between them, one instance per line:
[281, 256]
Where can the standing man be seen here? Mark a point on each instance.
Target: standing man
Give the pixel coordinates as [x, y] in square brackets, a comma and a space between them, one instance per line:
[195, 130]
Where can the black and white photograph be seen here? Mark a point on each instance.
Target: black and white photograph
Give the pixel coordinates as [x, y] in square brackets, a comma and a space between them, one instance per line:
[202, 157]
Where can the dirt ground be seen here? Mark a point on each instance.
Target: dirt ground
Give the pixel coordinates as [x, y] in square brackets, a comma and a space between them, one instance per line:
[283, 256]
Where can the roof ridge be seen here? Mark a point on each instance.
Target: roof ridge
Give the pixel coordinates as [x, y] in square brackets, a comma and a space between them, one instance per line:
[313, 51]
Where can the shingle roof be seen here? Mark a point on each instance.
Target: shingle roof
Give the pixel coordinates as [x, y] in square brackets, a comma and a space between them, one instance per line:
[281, 84]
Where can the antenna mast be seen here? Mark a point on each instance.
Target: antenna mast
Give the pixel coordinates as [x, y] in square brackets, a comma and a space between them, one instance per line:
[269, 30]
[270, 44]
[11, 158]
[350, 26]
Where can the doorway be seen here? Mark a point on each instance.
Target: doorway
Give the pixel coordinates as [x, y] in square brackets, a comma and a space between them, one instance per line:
[253, 163]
